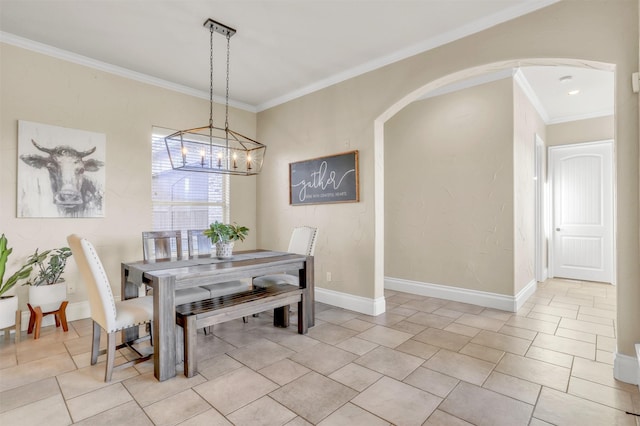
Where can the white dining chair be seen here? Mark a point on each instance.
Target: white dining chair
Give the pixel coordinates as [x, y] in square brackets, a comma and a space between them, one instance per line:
[303, 241]
[106, 313]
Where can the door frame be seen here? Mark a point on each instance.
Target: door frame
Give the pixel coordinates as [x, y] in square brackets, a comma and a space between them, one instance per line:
[551, 239]
[541, 231]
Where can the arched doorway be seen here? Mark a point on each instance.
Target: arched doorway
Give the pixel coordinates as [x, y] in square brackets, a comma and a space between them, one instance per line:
[379, 126]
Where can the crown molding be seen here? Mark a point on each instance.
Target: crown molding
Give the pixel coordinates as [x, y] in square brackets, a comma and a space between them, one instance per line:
[432, 43]
[578, 117]
[65, 55]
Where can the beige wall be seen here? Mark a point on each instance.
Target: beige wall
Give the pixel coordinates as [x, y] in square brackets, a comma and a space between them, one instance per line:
[449, 190]
[587, 130]
[526, 124]
[331, 121]
[342, 117]
[42, 89]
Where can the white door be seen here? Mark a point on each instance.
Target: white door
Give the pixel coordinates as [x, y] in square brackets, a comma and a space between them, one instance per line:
[582, 184]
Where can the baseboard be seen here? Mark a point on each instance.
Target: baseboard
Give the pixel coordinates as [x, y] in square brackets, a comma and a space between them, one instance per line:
[75, 311]
[364, 305]
[465, 295]
[627, 368]
[524, 294]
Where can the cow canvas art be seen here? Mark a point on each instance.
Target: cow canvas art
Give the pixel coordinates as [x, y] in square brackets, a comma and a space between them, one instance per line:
[61, 171]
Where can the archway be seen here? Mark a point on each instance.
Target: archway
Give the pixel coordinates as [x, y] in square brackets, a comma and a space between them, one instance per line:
[433, 85]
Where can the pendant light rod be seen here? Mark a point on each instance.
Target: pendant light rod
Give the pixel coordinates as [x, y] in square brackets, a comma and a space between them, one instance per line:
[219, 28]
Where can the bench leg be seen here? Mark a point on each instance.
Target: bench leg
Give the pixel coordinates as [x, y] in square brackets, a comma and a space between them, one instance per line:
[281, 317]
[190, 347]
[303, 320]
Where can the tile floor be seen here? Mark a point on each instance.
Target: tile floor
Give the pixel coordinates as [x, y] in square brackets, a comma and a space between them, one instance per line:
[425, 362]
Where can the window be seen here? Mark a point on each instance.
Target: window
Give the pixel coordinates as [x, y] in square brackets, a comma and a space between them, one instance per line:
[184, 200]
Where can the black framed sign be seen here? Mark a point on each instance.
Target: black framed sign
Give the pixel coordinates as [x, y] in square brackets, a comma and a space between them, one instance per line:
[331, 179]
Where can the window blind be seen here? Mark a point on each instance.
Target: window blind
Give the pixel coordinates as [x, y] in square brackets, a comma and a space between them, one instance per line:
[184, 200]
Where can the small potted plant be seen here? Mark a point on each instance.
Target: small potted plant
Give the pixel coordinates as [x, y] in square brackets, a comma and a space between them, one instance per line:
[47, 288]
[9, 303]
[224, 235]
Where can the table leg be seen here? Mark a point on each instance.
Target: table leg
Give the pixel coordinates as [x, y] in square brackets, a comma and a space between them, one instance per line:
[164, 328]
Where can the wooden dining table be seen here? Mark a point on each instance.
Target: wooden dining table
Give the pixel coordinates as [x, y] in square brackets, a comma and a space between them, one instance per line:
[165, 277]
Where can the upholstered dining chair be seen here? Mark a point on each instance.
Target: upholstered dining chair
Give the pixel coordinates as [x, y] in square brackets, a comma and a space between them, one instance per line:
[106, 313]
[167, 245]
[303, 241]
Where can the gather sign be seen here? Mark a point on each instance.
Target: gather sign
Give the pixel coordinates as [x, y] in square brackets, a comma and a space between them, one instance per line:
[330, 179]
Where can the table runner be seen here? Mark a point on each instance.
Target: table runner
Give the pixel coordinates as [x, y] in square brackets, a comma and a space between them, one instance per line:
[136, 271]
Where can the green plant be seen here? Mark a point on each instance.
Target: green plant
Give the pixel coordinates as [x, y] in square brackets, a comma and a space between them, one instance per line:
[22, 273]
[50, 265]
[222, 233]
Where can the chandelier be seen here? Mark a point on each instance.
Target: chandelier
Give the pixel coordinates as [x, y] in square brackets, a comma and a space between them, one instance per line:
[214, 149]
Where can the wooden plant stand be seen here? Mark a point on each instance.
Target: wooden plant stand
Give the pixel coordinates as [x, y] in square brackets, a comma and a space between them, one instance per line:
[35, 319]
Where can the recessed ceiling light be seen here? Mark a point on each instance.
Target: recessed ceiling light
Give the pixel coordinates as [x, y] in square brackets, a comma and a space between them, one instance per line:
[566, 79]
[574, 92]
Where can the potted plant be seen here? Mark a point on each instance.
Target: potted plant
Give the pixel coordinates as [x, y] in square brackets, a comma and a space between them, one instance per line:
[47, 288]
[224, 235]
[9, 303]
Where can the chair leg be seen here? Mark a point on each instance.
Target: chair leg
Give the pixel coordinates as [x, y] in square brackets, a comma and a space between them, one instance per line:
[95, 344]
[111, 354]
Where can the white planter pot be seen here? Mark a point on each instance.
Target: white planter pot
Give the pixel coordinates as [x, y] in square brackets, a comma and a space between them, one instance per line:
[8, 308]
[224, 250]
[48, 297]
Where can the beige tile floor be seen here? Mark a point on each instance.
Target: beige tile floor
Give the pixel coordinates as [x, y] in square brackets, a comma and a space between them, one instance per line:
[425, 362]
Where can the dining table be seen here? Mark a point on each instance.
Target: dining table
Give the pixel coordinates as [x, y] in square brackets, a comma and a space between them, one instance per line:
[167, 276]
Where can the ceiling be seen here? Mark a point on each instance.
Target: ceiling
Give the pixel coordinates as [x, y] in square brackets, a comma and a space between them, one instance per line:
[283, 49]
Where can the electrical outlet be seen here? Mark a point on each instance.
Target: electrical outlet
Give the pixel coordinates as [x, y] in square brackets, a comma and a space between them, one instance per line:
[328, 277]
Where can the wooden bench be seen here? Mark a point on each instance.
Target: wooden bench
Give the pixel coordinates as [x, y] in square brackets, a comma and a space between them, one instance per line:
[204, 313]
